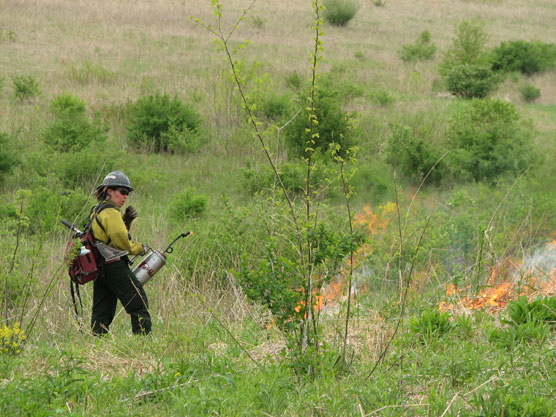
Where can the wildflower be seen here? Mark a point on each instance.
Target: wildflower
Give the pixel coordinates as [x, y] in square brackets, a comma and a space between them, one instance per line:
[11, 339]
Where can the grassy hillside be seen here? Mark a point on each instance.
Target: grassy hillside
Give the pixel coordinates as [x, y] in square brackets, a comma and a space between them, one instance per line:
[451, 219]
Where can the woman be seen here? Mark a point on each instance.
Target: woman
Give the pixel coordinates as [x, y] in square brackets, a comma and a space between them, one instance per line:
[117, 282]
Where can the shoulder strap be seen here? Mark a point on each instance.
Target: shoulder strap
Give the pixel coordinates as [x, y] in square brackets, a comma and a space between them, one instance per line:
[93, 216]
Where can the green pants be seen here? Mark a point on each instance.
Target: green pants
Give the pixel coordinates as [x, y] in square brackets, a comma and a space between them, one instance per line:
[119, 283]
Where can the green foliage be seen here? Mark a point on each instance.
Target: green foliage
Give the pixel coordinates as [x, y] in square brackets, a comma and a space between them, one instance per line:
[25, 87]
[471, 80]
[87, 72]
[519, 334]
[540, 310]
[276, 106]
[413, 156]
[375, 180]
[488, 140]
[71, 129]
[430, 325]
[512, 404]
[422, 49]
[47, 205]
[8, 158]
[258, 21]
[522, 56]
[187, 205]
[468, 46]
[339, 12]
[334, 125]
[12, 339]
[529, 92]
[381, 97]
[294, 81]
[161, 123]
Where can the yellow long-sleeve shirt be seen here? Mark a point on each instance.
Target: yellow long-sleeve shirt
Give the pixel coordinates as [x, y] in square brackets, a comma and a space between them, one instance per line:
[115, 233]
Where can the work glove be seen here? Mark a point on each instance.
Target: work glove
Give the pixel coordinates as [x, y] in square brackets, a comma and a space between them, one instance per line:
[129, 215]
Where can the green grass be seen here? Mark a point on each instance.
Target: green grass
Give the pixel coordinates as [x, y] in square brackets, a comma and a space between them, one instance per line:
[195, 363]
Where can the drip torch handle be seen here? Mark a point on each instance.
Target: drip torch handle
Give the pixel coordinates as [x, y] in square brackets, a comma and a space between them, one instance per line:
[170, 249]
[71, 227]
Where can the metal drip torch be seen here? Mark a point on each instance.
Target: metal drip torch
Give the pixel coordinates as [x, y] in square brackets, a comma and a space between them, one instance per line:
[153, 262]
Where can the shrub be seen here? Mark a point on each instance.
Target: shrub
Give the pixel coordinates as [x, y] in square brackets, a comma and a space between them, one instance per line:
[334, 124]
[187, 204]
[471, 80]
[25, 87]
[294, 80]
[163, 124]
[525, 57]
[413, 155]
[381, 97]
[421, 50]
[71, 129]
[8, 158]
[339, 12]
[468, 47]
[530, 93]
[488, 139]
[276, 106]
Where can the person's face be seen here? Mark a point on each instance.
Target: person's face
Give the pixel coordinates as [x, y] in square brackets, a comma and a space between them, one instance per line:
[118, 195]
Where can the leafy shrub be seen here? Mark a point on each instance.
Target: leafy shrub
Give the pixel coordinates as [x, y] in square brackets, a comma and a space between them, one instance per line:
[49, 204]
[334, 124]
[530, 92]
[294, 80]
[421, 50]
[339, 12]
[71, 129]
[431, 324]
[526, 57]
[293, 176]
[414, 156]
[374, 180]
[488, 140]
[8, 158]
[163, 124]
[381, 97]
[276, 106]
[471, 80]
[25, 87]
[84, 168]
[187, 204]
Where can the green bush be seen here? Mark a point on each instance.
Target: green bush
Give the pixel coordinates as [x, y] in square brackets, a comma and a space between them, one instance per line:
[374, 180]
[25, 87]
[421, 50]
[8, 158]
[187, 204]
[339, 12]
[294, 80]
[276, 106]
[334, 124]
[161, 123]
[414, 156]
[471, 80]
[487, 140]
[525, 57]
[530, 93]
[71, 129]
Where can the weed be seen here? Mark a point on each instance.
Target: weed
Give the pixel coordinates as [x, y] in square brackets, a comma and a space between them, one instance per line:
[25, 87]
[430, 325]
[258, 21]
[12, 339]
[421, 50]
[529, 92]
[294, 81]
[8, 158]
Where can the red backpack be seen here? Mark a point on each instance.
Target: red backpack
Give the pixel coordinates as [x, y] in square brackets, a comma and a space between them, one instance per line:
[85, 263]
